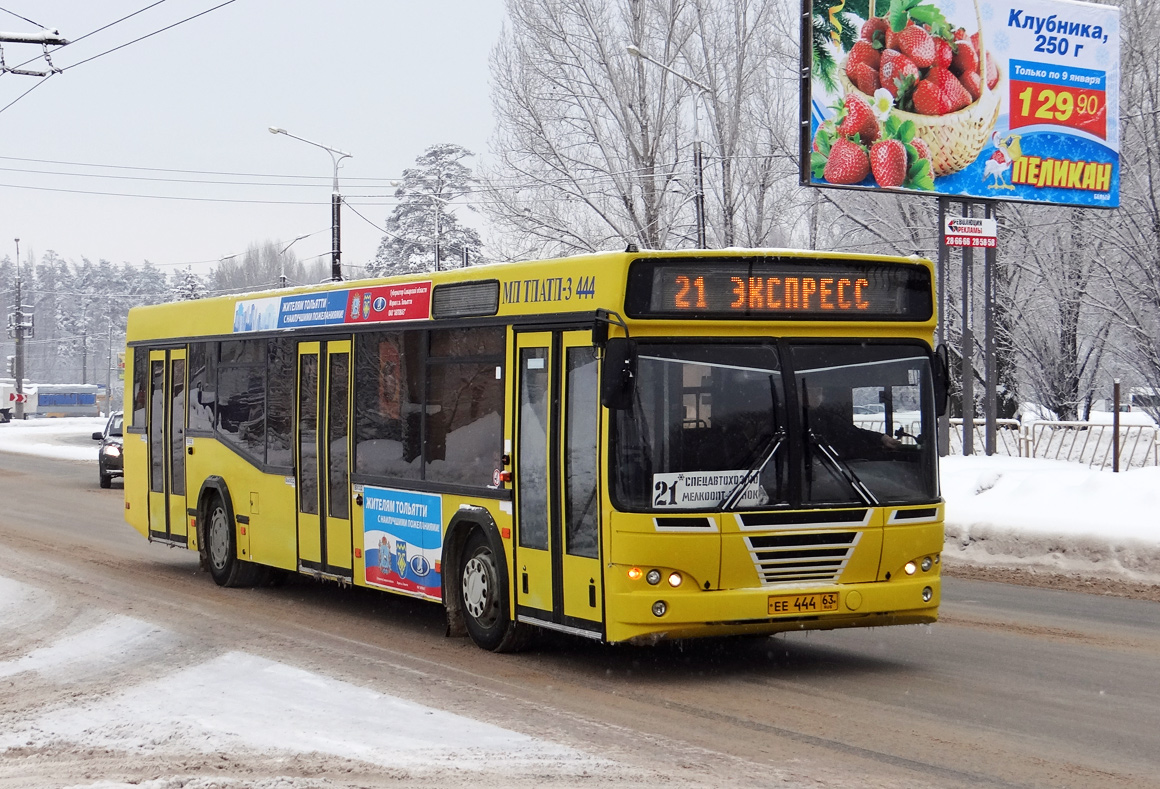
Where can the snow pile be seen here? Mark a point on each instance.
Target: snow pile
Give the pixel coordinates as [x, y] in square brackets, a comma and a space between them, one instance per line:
[1052, 514]
[66, 439]
[236, 702]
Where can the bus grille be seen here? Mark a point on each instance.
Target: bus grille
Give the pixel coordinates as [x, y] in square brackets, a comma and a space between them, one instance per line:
[797, 558]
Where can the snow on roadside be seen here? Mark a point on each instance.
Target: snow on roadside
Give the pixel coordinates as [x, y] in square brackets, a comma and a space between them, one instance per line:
[65, 439]
[1054, 515]
[232, 702]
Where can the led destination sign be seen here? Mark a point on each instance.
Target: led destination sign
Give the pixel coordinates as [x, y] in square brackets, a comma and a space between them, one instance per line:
[778, 289]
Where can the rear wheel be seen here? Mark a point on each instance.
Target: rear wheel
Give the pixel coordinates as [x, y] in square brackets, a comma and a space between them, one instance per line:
[485, 600]
[222, 550]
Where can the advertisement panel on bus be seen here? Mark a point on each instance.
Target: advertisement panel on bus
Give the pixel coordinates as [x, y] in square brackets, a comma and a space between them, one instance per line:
[997, 99]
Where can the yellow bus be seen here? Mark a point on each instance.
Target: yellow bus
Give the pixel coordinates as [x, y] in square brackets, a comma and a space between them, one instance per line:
[626, 446]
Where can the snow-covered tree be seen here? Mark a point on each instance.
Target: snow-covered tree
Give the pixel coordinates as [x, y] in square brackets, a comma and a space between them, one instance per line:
[187, 286]
[422, 220]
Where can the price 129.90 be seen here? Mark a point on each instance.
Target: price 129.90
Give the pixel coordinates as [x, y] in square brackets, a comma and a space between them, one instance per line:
[1059, 105]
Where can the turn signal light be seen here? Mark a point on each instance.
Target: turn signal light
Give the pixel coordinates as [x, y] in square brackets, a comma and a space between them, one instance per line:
[634, 574]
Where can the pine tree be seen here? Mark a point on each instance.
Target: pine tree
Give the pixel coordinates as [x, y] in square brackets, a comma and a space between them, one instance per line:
[187, 286]
[422, 218]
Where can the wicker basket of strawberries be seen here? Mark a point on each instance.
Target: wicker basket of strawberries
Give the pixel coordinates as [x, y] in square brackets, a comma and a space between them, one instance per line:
[938, 78]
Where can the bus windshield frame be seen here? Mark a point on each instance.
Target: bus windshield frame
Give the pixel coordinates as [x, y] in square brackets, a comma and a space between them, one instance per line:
[717, 425]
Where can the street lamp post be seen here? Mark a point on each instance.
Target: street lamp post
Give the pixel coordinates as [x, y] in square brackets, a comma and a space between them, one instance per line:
[335, 201]
[698, 165]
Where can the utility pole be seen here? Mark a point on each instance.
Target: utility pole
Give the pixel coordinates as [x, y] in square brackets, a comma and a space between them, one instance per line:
[17, 326]
[109, 373]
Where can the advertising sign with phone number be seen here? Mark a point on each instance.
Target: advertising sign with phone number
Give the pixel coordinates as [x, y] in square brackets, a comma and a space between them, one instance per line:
[995, 99]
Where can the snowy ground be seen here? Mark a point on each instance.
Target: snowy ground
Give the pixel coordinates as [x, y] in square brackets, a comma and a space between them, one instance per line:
[1001, 512]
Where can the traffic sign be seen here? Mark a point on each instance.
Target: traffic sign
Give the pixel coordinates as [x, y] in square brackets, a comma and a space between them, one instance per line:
[962, 231]
[17, 397]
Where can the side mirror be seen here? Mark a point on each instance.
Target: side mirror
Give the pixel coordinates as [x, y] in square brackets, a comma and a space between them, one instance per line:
[97, 436]
[619, 373]
[940, 377]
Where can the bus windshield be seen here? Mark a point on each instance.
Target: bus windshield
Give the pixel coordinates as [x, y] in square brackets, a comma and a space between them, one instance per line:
[710, 427]
[866, 423]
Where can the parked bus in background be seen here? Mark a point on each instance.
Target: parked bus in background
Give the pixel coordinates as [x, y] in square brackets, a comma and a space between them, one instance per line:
[67, 400]
[624, 446]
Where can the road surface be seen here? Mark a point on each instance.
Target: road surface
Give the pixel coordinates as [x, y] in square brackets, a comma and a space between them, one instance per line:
[1014, 687]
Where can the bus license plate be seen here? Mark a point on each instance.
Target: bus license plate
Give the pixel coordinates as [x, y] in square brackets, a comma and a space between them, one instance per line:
[803, 603]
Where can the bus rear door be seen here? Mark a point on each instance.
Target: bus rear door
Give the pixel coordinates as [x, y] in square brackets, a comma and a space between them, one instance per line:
[322, 471]
[557, 570]
[166, 430]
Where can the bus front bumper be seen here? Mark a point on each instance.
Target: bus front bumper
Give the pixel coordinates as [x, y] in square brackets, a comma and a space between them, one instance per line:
[660, 612]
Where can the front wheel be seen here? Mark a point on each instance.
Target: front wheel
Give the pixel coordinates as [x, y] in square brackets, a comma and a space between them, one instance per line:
[485, 601]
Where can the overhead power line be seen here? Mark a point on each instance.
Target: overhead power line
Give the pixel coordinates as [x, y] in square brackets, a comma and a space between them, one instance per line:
[116, 48]
[320, 178]
[149, 35]
[26, 19]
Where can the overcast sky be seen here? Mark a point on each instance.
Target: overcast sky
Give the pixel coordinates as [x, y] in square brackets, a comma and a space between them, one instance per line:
[380, 79]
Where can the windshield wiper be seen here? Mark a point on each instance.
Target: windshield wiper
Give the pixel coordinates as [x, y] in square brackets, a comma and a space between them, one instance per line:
[844, 470]
[753, 472]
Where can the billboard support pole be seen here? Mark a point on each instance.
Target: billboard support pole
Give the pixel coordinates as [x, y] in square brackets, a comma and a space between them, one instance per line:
[968, 350]
[944, 421]
[990, 399]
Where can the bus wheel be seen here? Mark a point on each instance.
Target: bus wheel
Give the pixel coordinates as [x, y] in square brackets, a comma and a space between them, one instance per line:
[485, 604]
[225, 567]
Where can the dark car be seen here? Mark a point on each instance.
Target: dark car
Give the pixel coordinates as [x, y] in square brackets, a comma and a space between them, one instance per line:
[109, 458]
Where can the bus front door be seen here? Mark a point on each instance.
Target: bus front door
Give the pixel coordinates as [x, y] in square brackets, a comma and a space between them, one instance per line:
[166, 430]
[322, 474]
[557, 569]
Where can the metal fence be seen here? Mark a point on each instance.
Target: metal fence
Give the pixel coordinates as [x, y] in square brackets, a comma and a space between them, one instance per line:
[1079, 442]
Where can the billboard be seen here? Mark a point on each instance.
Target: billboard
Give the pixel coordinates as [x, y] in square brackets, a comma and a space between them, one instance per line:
[989, 99]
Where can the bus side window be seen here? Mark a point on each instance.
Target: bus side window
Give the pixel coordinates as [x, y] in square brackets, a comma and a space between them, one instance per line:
[388, 403]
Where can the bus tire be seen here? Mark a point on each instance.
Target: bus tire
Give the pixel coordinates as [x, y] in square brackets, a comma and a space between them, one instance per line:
[485, 601]
[225, 567]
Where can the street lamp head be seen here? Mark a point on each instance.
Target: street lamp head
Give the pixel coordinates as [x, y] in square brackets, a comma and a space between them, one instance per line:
[276, 130]
[633, 50]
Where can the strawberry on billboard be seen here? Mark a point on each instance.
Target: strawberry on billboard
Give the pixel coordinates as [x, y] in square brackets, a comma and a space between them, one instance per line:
[989, 99]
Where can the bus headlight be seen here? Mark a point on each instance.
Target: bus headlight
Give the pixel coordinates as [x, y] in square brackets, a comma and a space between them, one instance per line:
[675, 579]
[927, 593]
[926, 564]
[910, 568]
[659, 608]
[653, 577]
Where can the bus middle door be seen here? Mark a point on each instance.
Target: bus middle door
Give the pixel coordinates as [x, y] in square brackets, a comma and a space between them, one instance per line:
[322, 474]
[166, 431]
[557, 571]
